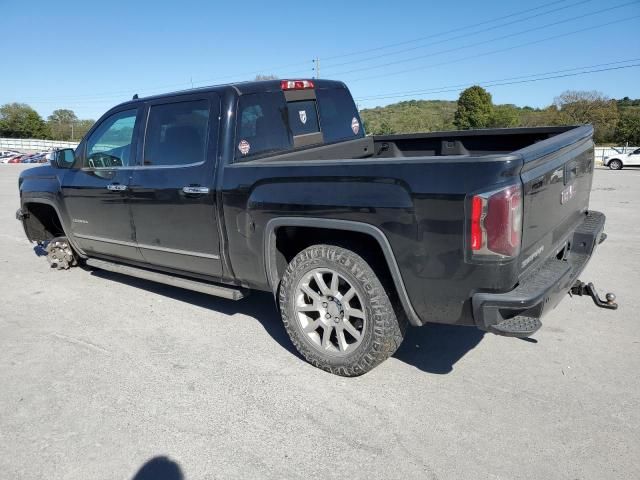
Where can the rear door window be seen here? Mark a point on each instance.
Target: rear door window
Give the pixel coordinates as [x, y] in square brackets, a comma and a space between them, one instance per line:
[339, 117]
[177, 133]
[262, 125]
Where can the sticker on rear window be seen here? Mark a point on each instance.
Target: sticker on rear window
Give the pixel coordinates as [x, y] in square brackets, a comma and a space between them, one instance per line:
[303, 116]
[244, 147]
[355, 125]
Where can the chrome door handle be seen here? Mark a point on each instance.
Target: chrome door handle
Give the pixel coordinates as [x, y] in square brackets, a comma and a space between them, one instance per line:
[195, 190]
[116, 187]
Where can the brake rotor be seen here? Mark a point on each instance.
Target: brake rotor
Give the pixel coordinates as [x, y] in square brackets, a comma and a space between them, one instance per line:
[59, 254]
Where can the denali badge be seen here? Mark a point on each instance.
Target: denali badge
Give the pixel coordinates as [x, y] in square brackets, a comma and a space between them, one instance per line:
[533, 256]
[568, 193]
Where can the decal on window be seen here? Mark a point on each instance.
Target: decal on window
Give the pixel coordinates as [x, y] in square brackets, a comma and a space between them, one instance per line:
[355, 125]
[303, 116]
[244, 147]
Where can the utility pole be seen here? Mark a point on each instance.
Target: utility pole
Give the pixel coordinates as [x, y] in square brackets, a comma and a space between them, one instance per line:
[316, 67]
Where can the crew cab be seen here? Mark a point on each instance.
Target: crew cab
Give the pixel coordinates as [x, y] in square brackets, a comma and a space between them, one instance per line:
[274, 186]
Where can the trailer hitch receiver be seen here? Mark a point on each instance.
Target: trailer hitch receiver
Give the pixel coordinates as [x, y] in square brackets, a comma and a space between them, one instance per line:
[580, 288]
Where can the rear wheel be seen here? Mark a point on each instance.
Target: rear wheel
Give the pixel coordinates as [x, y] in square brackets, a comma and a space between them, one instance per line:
[615, 164]
[337, 312]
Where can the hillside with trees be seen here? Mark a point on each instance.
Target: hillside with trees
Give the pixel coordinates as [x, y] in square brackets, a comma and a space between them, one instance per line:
[615, 121]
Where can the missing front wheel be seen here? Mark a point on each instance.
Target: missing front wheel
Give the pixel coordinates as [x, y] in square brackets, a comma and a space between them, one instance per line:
[60, 254]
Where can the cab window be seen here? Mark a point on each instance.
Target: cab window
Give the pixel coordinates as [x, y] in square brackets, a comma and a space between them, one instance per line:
[262, 125]
[303, 117]
[177, 133]
[339, 117]
[109, 146]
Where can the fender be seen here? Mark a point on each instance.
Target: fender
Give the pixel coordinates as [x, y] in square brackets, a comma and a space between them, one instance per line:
[376, 233]
[34, 199]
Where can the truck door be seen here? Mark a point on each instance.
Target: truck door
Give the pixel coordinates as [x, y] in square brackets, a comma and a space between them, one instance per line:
[173, 200]
[96, 193]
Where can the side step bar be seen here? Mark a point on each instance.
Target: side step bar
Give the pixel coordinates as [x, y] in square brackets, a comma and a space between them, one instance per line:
[232, 293]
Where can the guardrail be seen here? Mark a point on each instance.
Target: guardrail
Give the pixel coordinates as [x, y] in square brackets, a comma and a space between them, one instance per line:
[602, 152]
[33, 144]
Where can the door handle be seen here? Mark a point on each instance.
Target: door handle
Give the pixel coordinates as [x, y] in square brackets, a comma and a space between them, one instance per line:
[195, 190]
[116, 187]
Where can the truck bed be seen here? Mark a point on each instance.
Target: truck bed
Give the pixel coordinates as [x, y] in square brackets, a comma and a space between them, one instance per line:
[457, 143]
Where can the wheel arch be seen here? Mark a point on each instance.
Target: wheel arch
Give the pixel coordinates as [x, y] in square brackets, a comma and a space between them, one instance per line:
[32, 206]
[274, 271]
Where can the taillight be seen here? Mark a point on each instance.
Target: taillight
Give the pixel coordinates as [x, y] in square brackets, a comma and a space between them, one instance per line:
[496, 222]
[296, 84]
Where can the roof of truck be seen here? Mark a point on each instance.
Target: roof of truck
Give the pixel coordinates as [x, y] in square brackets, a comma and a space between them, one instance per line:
[240, 88]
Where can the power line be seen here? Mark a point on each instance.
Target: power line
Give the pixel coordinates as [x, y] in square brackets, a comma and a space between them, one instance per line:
[503, 83]
[500, 50]
[501, 25]
[471, 45]
[374, 49]
[405, 93]
[128, 92]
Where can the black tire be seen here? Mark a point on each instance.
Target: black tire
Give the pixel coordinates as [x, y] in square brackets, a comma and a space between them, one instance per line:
[615, 164]
[381, 334]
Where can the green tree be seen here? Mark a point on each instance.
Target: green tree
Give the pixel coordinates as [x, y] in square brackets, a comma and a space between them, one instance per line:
[19, 120]
[580, 107]
[475, 109]
[628, 128]
[505, 116]
[260, 77]
[61, 124]
[81, 128]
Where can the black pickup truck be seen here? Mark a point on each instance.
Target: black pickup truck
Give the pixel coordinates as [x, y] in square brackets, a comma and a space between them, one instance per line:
[274, 186]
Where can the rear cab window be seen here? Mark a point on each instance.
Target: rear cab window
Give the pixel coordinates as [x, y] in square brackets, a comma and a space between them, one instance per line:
[271, 123]
[338, 115]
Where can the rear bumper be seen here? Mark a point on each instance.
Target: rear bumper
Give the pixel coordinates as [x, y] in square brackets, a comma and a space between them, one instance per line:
[543, 289]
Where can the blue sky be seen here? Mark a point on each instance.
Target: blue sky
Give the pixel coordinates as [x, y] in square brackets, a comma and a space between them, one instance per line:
[88, 56]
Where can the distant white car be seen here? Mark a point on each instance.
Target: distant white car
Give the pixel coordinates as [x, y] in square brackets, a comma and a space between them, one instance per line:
[616, 162]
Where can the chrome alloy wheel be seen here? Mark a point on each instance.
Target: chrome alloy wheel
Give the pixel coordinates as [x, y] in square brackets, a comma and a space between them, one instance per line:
[330, 312]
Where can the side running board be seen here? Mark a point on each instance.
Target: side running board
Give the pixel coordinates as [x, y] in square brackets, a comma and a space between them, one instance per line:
[232, 293]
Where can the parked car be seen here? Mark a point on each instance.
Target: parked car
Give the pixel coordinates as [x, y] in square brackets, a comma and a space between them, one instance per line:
[616, 162]
[34, 158]
[8, 155]
[354, 236]
[17, 159]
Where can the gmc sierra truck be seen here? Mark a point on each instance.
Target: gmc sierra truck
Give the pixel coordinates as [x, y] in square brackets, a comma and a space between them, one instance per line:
[274, 186]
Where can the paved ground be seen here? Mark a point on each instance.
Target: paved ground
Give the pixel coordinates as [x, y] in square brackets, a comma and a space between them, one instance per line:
[100, 374]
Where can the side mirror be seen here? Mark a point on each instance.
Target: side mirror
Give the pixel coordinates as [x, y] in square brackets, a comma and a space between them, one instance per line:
[64, 158]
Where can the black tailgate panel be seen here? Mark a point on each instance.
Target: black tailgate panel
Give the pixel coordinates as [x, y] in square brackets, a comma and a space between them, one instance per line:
[557, 187]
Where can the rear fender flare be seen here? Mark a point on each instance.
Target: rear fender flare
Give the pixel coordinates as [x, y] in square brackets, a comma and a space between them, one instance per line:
[270, 252]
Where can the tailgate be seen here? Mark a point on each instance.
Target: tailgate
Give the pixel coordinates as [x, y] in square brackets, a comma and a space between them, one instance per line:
[556, 176]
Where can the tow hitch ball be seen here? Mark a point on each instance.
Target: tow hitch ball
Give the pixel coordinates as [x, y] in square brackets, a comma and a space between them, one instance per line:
[580, 288]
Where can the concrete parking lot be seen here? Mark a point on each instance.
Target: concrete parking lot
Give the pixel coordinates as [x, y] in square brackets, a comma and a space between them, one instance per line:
[102, 374]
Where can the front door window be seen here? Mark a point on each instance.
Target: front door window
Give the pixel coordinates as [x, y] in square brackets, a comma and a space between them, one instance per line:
[109, 146]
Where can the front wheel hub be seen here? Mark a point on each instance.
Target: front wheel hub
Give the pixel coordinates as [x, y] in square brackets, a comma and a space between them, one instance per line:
[59, 254]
